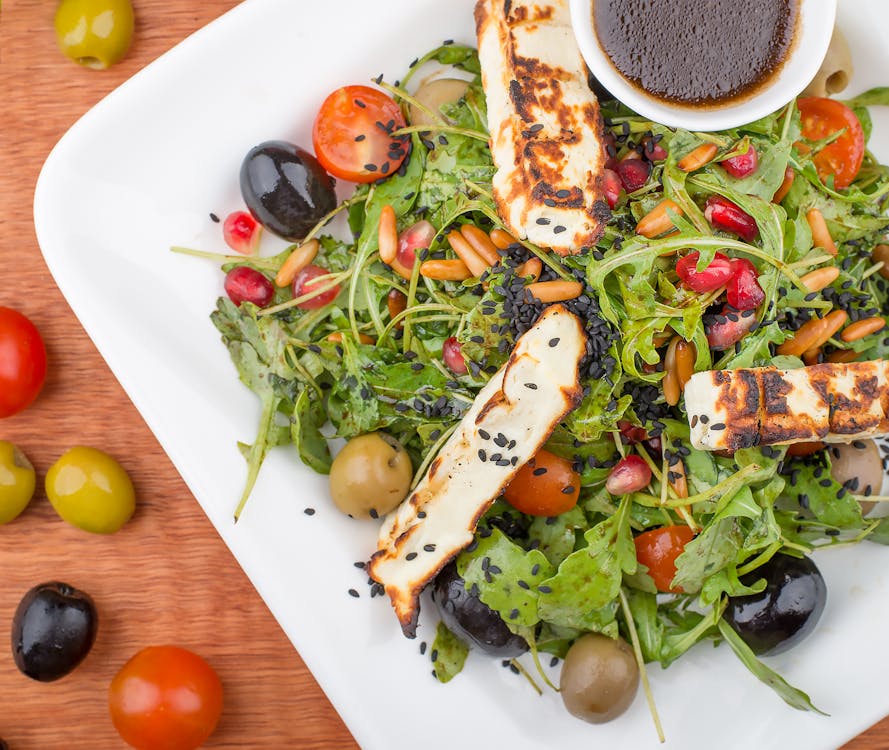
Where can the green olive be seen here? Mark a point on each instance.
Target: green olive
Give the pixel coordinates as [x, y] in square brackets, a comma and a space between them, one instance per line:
[90, 490]
[94, 33]
[17, 481]
[370, 476]
[860, 460]
[434, 95]
[599, 678]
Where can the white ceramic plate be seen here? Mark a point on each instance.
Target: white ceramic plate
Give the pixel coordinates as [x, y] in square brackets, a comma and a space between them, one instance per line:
[142, 172]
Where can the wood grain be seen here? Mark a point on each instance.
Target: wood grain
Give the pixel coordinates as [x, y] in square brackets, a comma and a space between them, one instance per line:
[166, 577]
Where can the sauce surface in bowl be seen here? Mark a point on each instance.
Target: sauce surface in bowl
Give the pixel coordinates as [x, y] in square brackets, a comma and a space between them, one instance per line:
[696, 52]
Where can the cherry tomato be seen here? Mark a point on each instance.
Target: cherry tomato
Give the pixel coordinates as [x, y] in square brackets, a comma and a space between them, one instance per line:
[715, 275]
[165, 698]
[821, 118]
[545, 486]
[657, 550]
[22, 362]
[352, 134]
[304, 283]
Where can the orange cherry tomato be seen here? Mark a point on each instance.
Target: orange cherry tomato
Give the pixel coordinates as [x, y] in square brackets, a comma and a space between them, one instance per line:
[545, 486]
[657, 549]
[352, 134]
[165, 698]
[821, 118]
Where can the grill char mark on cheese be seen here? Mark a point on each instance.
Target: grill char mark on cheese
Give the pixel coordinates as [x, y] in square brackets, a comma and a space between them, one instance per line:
[829, 402]
[547, 135]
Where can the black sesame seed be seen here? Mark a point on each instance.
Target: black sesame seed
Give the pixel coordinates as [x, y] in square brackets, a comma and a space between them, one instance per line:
[531, 386]
[422, 648]
[554, 342]
[309, 511]
[410, 556]
[544, 589]
[718, 426]
[214, 218]
[354, 593]
[484, 434]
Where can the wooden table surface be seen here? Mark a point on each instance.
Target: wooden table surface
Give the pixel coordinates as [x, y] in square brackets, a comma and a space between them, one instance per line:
[166, 577]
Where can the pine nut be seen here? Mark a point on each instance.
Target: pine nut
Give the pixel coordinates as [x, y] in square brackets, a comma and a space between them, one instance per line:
[401, 269]
[337, 338]
[388, 234]
[811, 357]
[686, 354]
[861, 328]
[472, 259]
[296, 262]
[481, 243]
[670, 385]
[555, 291]
[679, 480]
[820, 233]
[531, 267]
[697, 158]
[784, 187]
[502, 239]
[843, 356]
[657, 221]
[880, 254]
[820, 278]
[396, 302]
[445, 270]
[814, 334]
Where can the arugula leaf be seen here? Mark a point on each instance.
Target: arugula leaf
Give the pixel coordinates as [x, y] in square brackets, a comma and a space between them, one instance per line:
[792, 696]
[448, 654]
[588, 580]
[305, 431]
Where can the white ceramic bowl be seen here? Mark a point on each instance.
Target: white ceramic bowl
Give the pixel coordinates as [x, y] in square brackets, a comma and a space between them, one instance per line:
[816, 24]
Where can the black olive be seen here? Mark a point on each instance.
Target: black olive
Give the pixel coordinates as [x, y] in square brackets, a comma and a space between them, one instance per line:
[286, 189]
[470, 618]
[3, 745]
[785, 612]
[53, 630]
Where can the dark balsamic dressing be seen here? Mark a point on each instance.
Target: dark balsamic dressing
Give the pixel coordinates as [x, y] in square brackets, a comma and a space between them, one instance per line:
[696, 52]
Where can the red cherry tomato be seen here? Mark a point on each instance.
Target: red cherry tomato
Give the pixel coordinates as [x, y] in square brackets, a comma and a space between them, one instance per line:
[545, 486]
[165, 698]
[22, 362]
[304, 283]
[821, 118]
[657, 550]
[352, 134]
[715, 275]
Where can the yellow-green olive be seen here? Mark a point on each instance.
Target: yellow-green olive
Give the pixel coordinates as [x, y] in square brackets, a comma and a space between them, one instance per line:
[433, 95]
[90, 490]
[17, 481]
[859, 463]
[370, 476]
[94, 33]
[599, 678]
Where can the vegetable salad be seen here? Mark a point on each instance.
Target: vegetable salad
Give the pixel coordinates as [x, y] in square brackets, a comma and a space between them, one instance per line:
[706, 263]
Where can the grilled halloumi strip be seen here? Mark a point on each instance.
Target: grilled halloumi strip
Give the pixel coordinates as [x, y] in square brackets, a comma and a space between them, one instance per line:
[732, 409]
[546, 130]
[510, 419]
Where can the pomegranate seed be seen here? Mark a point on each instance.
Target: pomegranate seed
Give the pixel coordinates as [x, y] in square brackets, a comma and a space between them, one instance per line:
[245, 284]
[416, 237]
[241, 232]
[611, 186]
[728, 217]
[715, 275]
[729, 327]
[743, 290]
[652, 149]
[303, 284]
[630, 474]
[741, 165]
[452, 354]
[633, 173]
[630, 433]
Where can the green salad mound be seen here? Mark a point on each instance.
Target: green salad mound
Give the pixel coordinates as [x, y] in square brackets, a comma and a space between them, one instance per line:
[561, 577]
